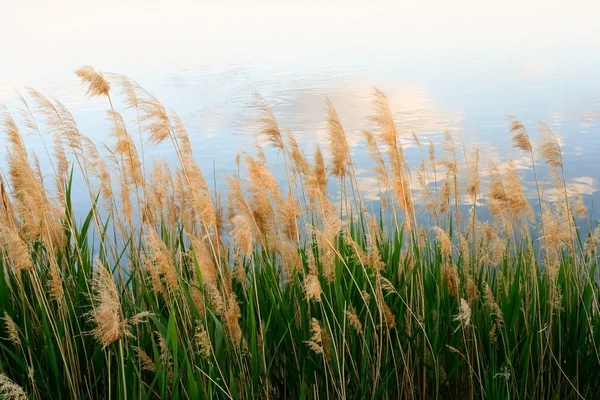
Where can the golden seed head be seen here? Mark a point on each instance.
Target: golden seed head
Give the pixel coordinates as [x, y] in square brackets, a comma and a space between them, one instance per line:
[202, 341]
[268, 123]
[520, 137]
[382, 117]
[11, 330]
[444, 241]
[97, 84]
[18, 249]
[205, 260]
[354, 320]
[145, 361]
[338, 144]
[232, 316]
[450, 277]
[472, 291]
[464, 315]
[316, 340]
[389, 319]
[106, 313]
[312, 286]
[550, 149]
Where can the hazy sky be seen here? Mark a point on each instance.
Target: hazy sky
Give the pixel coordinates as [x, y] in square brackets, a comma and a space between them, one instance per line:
[40, 36]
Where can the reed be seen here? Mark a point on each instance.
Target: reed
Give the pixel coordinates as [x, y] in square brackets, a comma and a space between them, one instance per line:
[163, 290]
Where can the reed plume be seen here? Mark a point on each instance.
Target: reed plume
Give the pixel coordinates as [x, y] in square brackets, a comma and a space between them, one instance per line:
[29, 193]
[17, 249]
[11, 330]
[267, 123]
[216, 300]
[297, 156]
[232, 316]
[520, 136]
[338, 144]
[56, 281]
[205, 261]
[312, 286]
[464, 316]
[126, 149]
[317, 180]
[106, 314]
[202, 341]
[161, 257]
[474, 183]
[242, 234]
[97, 84]
[388, 317]
[354, 320]
[429, 201]
[444, 241]
[155, 118]
[60, 121]
[383, 118]
[550, 148]
[99, 169]
[145, 361]
[201, 200]
[445, 194]
[376, 155]
[262, 186]
[518, 204]
[388, 134]
[316, 340]
[416, 139]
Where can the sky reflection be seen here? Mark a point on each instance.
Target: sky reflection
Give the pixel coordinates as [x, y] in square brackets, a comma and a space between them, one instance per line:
[461, 66]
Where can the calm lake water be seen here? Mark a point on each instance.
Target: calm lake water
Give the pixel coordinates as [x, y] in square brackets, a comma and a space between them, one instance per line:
[463, 67]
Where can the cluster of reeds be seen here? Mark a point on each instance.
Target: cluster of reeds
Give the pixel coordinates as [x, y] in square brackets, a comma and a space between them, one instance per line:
[456, 287]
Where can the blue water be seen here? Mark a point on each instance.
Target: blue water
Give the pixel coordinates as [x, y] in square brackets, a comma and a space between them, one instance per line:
[462, 67]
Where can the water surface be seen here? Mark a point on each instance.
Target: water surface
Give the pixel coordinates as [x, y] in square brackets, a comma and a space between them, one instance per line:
[462, 67]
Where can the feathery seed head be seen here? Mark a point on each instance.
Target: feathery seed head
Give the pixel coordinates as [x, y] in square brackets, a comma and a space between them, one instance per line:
[17, 248]
[383, 119]
[444, 241]
[550, 149]
[97, 84]
[316, 340]
[338, 144]
[389, 319]
[354, 320]
[268, 124]
[464, 315]
[145, 361]
[205, 260]
[232, 316]
[312, 286]
[449, 274]
[242, 234]
[520, 137]
[202, 341]
[11, 330]
[106, 314]
[298, 157]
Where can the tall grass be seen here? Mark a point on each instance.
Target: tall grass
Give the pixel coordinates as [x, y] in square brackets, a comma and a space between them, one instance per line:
[454, 288]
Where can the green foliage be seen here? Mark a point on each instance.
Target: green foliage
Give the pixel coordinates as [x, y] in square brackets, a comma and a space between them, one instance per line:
[528, 346]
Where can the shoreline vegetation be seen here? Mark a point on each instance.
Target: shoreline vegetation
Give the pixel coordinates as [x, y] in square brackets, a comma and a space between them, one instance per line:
[167, 289]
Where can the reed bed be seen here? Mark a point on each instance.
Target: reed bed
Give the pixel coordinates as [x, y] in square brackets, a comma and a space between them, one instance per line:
[457, 286]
